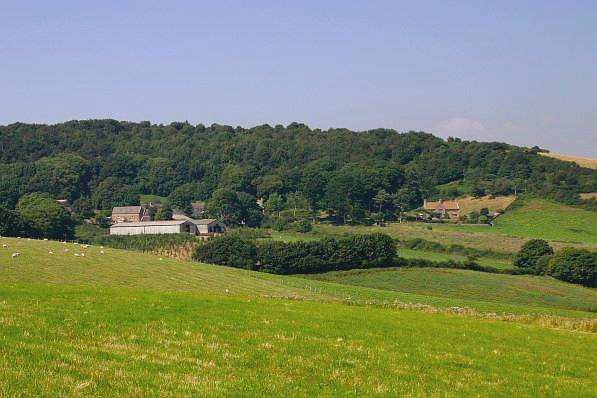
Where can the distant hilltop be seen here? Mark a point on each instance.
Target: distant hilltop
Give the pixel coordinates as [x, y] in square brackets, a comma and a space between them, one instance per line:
[579, 160]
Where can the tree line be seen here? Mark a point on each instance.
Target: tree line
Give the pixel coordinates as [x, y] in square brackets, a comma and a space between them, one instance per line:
[98, 164]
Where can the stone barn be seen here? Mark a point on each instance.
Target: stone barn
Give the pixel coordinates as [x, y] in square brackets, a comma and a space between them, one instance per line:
[129, 214]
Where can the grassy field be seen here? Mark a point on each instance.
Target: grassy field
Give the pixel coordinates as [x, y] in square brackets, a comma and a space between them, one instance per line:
[134, 270]
[146, 198]
[493, 204]
[72, 341]
[538, 218]
[588, 195]
[534, 218]
[520, 289]
[129, 324]
[437, 256]
[579, 160]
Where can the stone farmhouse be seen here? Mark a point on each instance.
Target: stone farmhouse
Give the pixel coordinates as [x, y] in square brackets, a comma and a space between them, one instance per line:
[130, 214]
[443, 208]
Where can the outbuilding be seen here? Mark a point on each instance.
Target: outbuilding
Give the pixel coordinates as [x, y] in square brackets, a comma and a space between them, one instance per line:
[154, 227]
[209, 226]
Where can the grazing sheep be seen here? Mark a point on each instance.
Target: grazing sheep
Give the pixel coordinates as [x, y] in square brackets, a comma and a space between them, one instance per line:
[227, 291]
[50, 252]
[45, 238]
[101, 252]
[66, 250]
[4, 245]
[76, 254]
[17, 254]
[82, 254]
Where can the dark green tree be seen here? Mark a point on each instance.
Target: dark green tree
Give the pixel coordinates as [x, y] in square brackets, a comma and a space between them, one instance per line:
[45, 217]
[530, 253]
[10, 222]
[575, 266]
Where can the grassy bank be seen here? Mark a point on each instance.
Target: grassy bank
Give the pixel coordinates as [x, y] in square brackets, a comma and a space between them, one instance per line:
[114, 342]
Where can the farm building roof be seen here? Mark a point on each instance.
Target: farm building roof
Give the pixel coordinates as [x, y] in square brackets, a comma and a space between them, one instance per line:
[149, 223]
[127, 210]
[446, 204]
[204, 221]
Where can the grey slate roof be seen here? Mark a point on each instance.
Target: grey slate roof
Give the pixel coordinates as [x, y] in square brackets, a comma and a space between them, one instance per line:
[127, 210]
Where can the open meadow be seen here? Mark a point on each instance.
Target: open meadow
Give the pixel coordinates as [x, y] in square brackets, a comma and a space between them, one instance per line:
[129, 324]
[538, 291]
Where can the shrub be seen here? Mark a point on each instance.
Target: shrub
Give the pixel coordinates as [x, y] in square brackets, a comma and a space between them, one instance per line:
[542, 266]
[230, 250]
[280, 224]
[530, 253]
[575, 266]
[302, 226]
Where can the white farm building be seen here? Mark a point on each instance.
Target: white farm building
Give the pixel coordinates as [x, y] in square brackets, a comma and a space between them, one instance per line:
[153, 227]
[204, 227]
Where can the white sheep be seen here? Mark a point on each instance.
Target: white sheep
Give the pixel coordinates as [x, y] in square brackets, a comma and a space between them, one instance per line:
[4, 245]
[82, 254]
[101, 252]
[76, 254]
[17, 254]
[45, 238]
[50, 252]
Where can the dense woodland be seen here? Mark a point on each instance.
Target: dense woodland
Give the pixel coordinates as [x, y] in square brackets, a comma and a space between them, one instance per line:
[98, 164]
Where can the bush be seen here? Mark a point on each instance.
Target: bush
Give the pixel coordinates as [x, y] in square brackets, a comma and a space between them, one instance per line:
[228, 250]
[575, 266]
[280, 224]
[542, 266]
[530, 252]
[302, 226]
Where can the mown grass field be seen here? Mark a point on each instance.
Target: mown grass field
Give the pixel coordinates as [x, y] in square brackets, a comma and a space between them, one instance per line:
[73, 341]
[493, 204]
[129, 324]
[439, 256]
[581, 161]
[541, 219]
[528, 290]
[135, 270]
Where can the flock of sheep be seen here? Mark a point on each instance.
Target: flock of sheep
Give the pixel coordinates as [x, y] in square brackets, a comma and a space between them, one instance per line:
[78, 254]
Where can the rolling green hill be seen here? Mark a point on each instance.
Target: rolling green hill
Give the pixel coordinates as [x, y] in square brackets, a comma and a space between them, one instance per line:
[453, 283]
[539, 218]
[129, 324]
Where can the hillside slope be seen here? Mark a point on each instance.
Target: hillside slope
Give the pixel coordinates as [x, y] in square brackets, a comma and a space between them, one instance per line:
[579, 160]
[134, 270]
[129, 324]
[454, 283]
[73, 341]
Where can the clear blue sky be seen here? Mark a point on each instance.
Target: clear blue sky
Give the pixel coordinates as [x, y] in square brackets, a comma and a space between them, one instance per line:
[523, 72]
